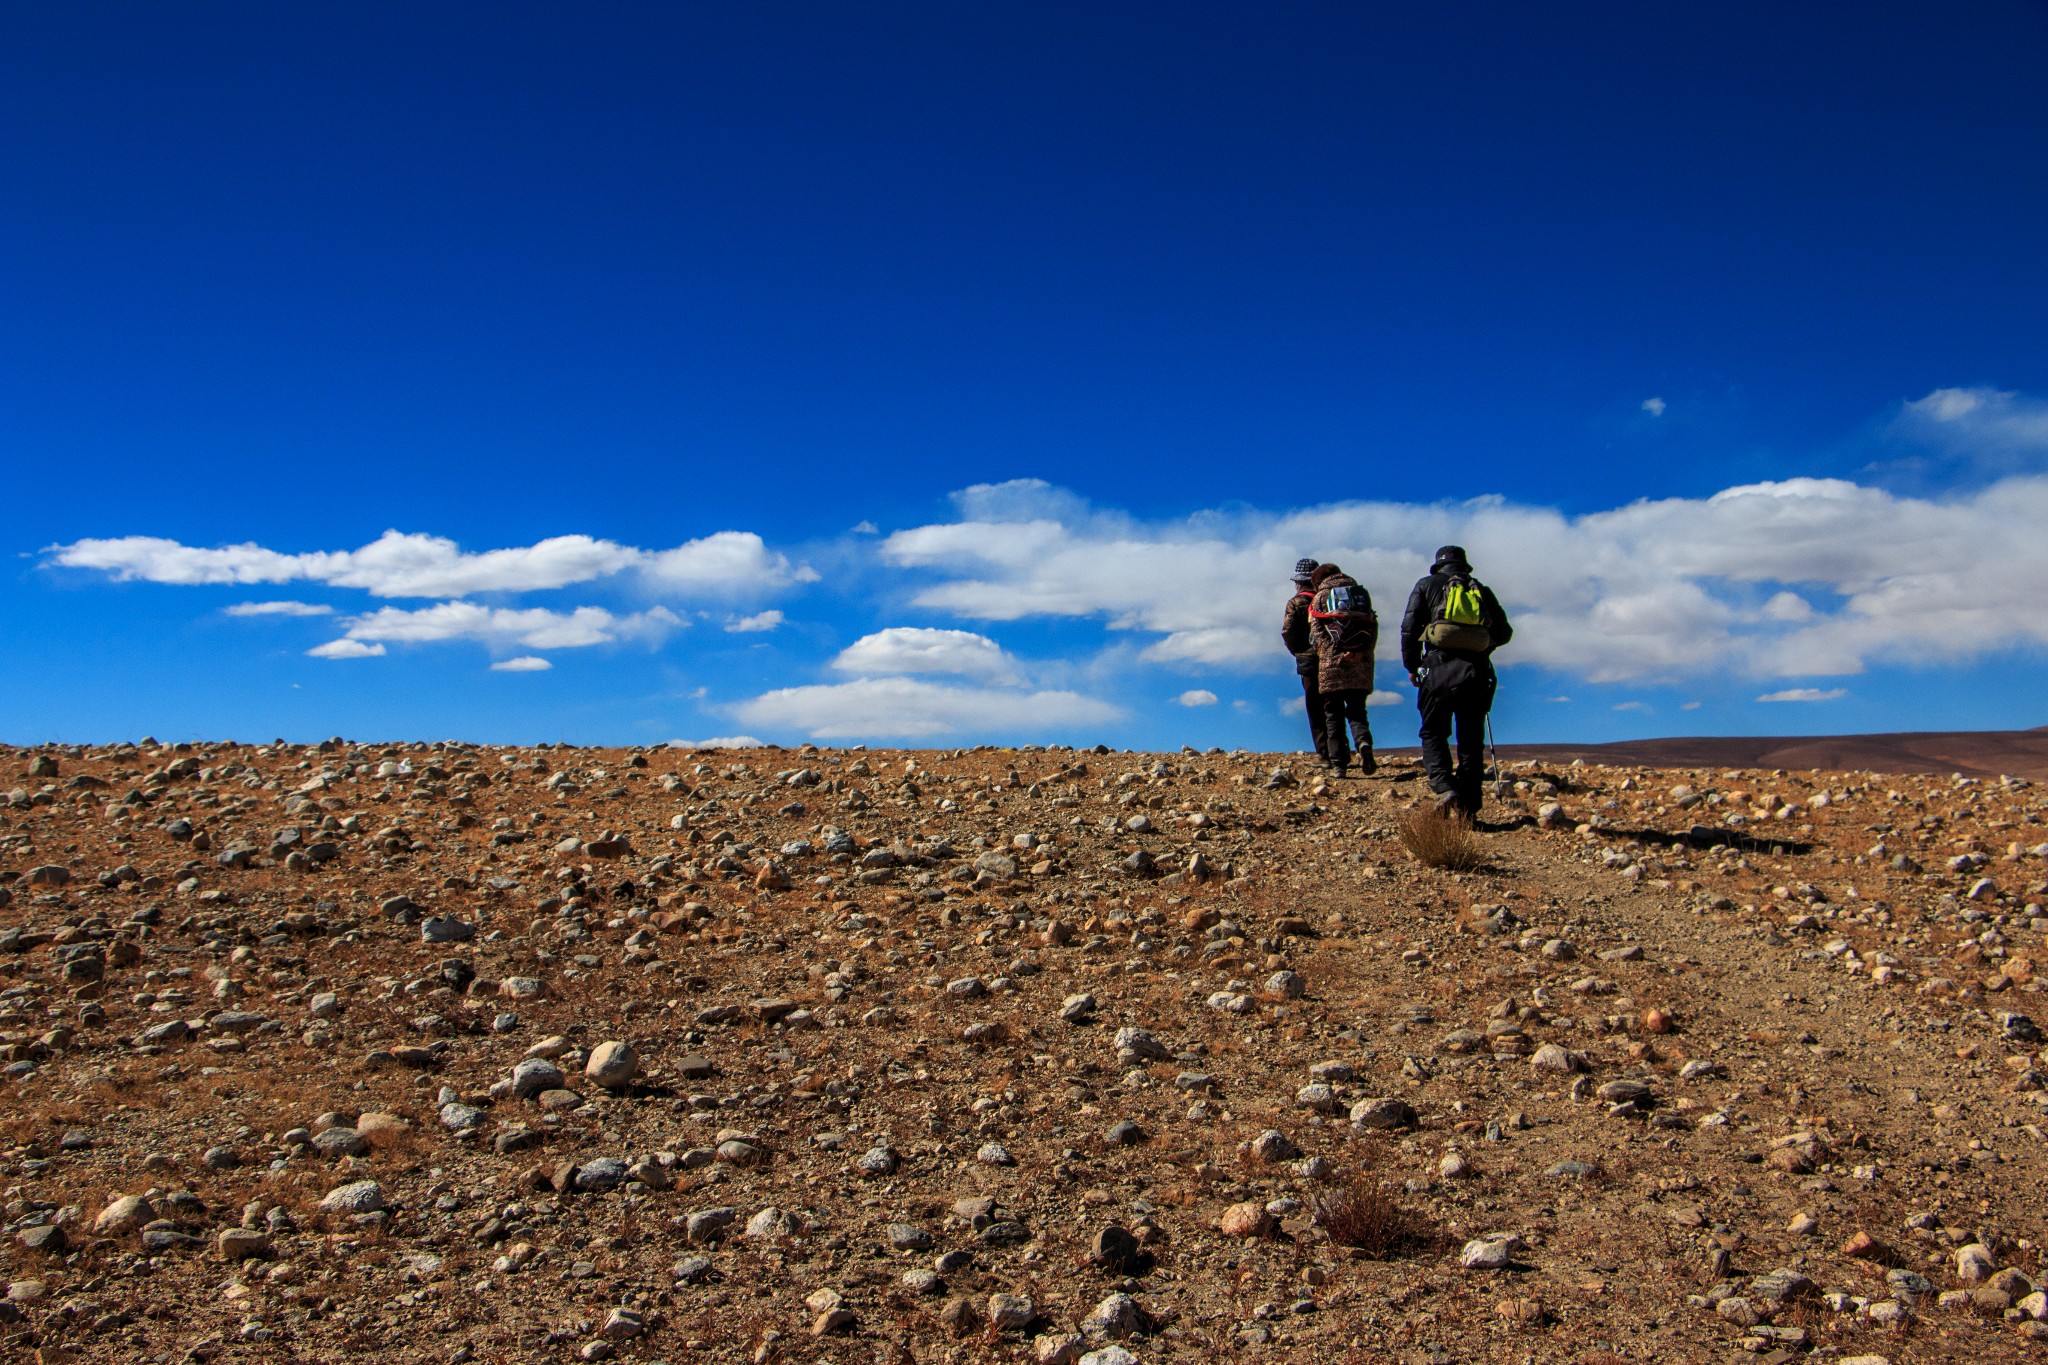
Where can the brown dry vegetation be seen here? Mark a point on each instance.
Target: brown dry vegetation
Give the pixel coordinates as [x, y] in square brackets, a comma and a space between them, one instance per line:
[1441, 839]
[1361, 1213]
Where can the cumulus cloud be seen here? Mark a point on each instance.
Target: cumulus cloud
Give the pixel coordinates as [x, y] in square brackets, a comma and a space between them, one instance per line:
[917, 649]
[1654, 406]
[722, 742]
[723, 562]
[1382, 697]
[1196, 696]
[912, 708]
[1801, 577]
[534, 627]
[278, 609]
[1804, 694]
[524, 663]
[759, 622]
[401, 564]
[346, 649]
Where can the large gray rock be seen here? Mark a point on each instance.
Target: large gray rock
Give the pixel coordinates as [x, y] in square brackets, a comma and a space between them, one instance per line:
[534, 1075]
[1489, 1253]
[125, 1214]
[1138, 1045]
[613, 1065]
[996, 864]
[362, 1196]
[335, 1143]
[1383, 1112]
[709, 1225]
[1115, 1318]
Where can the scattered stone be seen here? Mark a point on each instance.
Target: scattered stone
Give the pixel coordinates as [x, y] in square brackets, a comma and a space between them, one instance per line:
[1114, 1319]
[613, 1065]
[1248, 1219]
[361, 1196]
[1115, 1250]
[1489, 1253]
[1383, 1112]
[534, 1076]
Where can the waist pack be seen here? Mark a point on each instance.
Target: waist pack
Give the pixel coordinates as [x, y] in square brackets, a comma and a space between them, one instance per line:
[1461, 620]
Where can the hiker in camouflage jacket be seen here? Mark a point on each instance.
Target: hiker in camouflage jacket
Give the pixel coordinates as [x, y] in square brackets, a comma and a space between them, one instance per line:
[1344, 666]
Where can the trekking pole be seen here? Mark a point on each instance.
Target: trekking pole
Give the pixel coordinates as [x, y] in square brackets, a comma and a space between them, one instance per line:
[1492, 751]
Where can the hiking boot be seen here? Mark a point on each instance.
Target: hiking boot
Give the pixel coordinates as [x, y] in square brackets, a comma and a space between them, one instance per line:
[1340, 770]
[1444, 803]
[1367, 764]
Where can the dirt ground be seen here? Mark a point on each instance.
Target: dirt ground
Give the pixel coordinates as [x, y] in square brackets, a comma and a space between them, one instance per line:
[1033, 1054]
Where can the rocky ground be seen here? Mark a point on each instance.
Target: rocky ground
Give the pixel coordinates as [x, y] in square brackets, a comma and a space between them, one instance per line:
[450, 1053]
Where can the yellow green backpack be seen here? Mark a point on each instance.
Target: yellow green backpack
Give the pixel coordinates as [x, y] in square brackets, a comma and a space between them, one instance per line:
[1461, 620]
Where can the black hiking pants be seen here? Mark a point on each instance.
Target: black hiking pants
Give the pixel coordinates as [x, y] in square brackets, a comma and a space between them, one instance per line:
[1456, 695]
[1341, 706]
[1312, 698]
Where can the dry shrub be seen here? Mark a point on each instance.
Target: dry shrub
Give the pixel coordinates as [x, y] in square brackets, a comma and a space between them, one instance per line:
[1363, 1215]
[1437, 838]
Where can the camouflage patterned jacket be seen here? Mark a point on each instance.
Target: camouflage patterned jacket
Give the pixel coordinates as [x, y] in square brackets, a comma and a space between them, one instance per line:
[1344, 664]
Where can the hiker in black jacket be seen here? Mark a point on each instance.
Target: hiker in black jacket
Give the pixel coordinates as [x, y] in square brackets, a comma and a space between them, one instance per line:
[1294, 633]
[1448, 635]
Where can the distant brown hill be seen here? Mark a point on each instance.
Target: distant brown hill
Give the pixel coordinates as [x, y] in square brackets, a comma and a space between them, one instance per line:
[1974, 753]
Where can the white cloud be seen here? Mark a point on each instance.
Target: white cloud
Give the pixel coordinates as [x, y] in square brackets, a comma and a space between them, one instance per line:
[1654, 406]
[534, 627]
[278, 609]
[1690, 706]
[400, 564]
[727, 561]
[1382, 697]
[758, 622]
[723, 742]
[346, 649]
[1632, 706]
[915, 709]
[1787, 606]
[525, 663]
[1196, 696]
[1560, 699]
[1805, 694]
[917, 649]
[1994, 428]
[866, 528]
[1652, 591]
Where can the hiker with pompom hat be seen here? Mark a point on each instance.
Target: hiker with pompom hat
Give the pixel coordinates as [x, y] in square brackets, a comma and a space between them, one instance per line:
[1294, 634]
[1448, 635]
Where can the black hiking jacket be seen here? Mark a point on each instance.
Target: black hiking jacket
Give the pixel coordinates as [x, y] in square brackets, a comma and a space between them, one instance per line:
[1425, 604]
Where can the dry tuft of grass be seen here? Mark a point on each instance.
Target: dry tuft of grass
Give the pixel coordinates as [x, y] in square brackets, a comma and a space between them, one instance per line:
[1441, 839]
[1361, 1214]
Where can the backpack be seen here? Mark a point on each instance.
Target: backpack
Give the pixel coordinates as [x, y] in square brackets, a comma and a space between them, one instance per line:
[1344, 612]
[1461, 619]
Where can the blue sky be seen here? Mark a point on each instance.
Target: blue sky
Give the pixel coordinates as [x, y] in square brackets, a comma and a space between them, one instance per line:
[973, 373]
